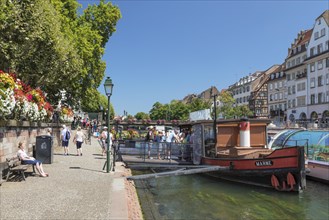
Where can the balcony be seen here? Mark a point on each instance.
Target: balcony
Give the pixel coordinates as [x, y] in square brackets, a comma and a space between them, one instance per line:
[301, 75]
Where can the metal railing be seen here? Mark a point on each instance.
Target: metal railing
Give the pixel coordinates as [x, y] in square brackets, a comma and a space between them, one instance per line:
[157, 150]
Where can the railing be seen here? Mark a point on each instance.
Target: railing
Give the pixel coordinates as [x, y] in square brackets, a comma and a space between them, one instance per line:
[157, 150]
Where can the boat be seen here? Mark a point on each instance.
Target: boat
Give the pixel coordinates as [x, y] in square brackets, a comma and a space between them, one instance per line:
[316, 145]
[241, 145]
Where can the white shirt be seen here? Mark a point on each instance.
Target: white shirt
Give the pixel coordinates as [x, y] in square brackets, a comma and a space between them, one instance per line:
[79, 136]
[21, 154]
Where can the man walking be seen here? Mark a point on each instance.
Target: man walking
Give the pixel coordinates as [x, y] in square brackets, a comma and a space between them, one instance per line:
[65, 137]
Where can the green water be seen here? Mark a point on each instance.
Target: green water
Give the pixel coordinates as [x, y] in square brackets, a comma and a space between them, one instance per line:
[202, 197]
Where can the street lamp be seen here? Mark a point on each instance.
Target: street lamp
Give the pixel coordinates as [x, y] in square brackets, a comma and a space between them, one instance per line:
[108, 86]
[212, 94]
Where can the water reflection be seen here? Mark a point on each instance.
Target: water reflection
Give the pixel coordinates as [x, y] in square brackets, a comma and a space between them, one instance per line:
[203, 197]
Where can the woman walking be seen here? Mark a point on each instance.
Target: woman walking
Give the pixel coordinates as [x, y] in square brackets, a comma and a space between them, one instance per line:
[78, 140]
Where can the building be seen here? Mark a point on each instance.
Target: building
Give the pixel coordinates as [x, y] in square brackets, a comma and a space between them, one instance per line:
[296, 76]
[318, 70]
[258, 100]
[241, 90]
[277, 95]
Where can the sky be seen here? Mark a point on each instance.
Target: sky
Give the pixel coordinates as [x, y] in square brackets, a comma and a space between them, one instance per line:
[165, 50]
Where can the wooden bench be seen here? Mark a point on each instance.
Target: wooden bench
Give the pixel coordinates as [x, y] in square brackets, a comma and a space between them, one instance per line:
[15, 167]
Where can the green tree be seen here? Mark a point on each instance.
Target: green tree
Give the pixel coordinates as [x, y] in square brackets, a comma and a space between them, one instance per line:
[198, 104]
[142, 115]
[226, 108]
[103, 104]
[49, 45]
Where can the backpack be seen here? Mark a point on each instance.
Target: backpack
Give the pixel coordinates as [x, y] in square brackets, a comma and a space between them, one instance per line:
[67, 135]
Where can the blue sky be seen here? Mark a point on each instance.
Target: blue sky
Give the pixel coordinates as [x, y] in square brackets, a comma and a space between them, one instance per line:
[165, 50]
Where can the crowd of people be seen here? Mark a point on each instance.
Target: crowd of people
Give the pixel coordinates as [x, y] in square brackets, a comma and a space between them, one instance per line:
[163, 140]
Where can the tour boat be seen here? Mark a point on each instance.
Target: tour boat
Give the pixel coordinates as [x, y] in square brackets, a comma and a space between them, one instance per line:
[316, 145]
[241, 146]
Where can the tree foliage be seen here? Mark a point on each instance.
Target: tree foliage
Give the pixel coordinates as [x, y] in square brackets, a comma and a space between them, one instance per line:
[49, 45]
[142, 115]
[228, 108]
[177, 110]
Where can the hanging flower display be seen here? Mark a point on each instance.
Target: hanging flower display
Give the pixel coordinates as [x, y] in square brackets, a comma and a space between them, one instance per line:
[19, 101]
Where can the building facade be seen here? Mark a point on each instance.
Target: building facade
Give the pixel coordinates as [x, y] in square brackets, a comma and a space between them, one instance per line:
[296, 77]
[277, 95]
[318, 70]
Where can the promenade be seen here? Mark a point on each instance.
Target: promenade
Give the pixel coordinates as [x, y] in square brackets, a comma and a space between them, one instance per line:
[77, 188]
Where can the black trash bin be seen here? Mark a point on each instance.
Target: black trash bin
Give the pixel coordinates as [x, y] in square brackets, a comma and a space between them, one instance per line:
[44, 149]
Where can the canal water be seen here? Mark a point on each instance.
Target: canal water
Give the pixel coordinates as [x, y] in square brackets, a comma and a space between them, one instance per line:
[204, 197]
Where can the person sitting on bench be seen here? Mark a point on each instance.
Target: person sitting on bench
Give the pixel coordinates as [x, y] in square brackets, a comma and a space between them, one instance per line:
[25, 159]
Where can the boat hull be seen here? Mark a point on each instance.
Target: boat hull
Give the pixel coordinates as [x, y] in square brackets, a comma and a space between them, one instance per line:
[283, 169]
[319, 171]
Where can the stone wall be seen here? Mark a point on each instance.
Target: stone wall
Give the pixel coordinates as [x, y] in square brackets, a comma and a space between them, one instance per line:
[12, 132]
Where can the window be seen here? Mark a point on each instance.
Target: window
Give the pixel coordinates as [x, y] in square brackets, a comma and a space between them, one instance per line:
[320, 97]
[271, 86]
[289, 103]
[280, 95]
[288, 77]
[320, 81]
[299, 48]
[298, 60]
[320, 66]
[293, 62]
[320, 48]
[301, 101]
[294, 50]
[312, 99]
[327, 95]
[319, 21]
[248, 89]
[275, 85]
[312, 67]
[276, 96]
[327, 78]
[327, 45]
[323, 32]
[271, 97]
[280, 84]
[327, 62]
[316, 35]
[294, 103]
[312, 51]
[289, 90]
[312, 82]
[304, 57]
[301, 86]
[293, 76]
[293, 89]
[288, 64]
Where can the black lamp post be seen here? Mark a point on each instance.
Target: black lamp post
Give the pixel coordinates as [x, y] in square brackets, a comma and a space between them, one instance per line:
[108, 86]
[212, 94]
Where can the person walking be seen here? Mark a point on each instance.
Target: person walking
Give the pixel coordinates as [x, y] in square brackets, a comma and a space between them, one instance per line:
[65, 137]
[78, 140]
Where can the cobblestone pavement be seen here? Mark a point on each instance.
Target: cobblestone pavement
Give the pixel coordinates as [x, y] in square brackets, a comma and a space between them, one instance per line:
[77, 188]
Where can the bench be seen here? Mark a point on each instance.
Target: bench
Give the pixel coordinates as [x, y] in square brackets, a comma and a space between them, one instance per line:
[15, 167]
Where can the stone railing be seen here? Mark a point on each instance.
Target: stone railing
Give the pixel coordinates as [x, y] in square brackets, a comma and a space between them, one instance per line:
[12, 132]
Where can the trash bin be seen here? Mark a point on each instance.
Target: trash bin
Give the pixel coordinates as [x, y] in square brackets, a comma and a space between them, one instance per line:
[44, 149]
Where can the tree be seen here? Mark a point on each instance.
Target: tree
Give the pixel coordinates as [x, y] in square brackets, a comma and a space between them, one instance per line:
[103, 104]
[226, 107]
[142, 115]
[48, 45]
[198, 104]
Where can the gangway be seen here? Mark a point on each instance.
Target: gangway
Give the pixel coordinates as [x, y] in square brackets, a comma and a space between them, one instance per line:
[182, 171]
